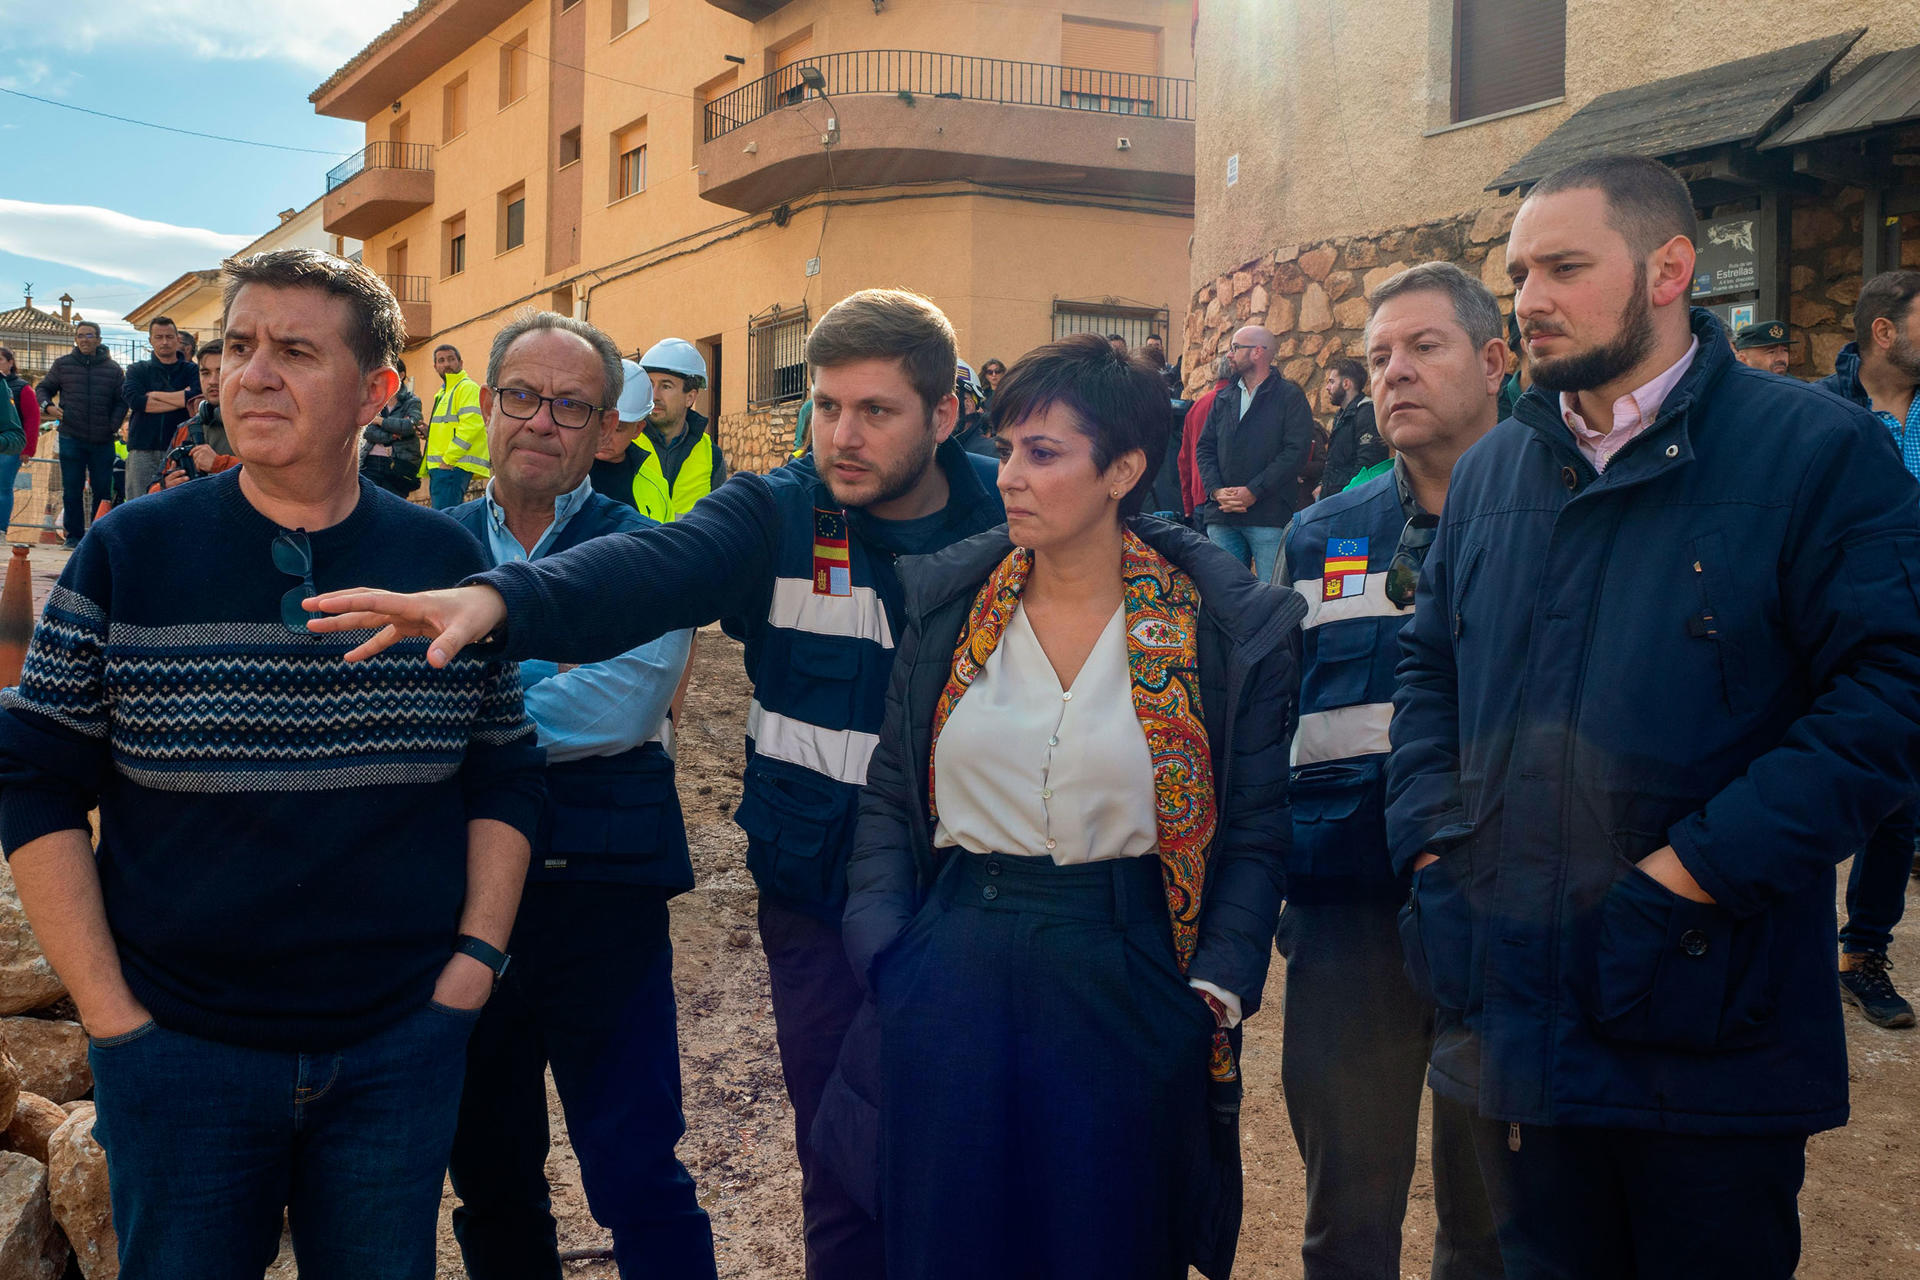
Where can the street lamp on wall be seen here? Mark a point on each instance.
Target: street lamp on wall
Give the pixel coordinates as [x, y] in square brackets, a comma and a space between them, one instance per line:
[813, 79]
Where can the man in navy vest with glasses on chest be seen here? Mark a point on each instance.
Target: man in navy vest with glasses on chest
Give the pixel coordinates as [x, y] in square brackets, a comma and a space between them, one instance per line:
[1435, 361]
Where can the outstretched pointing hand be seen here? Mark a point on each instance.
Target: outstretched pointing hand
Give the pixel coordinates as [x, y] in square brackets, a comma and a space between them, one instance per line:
[451, 619]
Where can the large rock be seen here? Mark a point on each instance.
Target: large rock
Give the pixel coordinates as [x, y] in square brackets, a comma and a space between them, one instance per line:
[1317, 261]
[77, 1170]
[27, 981]
[1316, 314]
[30, 1247]
[9, 1085]
[34, 1120]
[51, 1056]
[1351, 314]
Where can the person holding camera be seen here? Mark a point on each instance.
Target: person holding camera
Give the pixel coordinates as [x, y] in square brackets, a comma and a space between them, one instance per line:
[199, 447]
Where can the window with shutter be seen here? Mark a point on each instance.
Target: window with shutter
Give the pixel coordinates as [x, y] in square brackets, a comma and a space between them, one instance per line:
[1507, 54]
[1109, 67]
[786, 59]
[627, 153]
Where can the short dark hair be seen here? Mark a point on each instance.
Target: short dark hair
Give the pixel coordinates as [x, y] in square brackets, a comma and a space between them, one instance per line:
[889, 324]
[400, 366]
[375, 331]
[1350, 369]
[214, 348]
[448, 346]
[86, 324]
[8, 354]
[1888, 296]
[1154, 337]
[1114, 337]
[1647, 203]
[1120, 402]
[157, 321]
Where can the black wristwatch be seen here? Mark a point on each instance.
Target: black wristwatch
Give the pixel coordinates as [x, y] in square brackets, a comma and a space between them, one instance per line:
[485, 952]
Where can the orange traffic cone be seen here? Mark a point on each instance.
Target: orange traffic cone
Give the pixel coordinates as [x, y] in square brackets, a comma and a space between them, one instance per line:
[104, 507]
[16, 616]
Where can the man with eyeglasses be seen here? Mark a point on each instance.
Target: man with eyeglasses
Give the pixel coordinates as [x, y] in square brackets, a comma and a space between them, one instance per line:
[1257, 439]
[306, 873]
[1435, 361]
[590, 993]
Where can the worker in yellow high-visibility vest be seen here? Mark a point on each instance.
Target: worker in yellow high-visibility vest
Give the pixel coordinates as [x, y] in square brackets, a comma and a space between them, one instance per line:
[456, 432]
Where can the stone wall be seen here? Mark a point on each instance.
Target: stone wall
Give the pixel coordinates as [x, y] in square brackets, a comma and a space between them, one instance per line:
[759, 439]
[1314, 296]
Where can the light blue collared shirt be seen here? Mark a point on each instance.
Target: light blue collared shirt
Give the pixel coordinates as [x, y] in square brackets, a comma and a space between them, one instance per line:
[601, 708]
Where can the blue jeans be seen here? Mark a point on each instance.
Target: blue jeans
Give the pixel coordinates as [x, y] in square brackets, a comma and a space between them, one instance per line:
[447, 487]
[83, 463]
[9, 473]
[1877, 884]
[1258, 543]
[207, 1143]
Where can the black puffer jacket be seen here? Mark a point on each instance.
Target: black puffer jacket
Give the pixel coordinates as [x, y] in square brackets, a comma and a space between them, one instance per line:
[398, 429]
[1249, 678]
[88, 388]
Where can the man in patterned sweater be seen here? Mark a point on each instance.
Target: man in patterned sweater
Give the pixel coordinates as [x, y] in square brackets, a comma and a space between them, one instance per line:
[306, 870]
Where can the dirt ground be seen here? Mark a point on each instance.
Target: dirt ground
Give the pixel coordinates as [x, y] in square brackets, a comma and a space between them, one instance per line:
[739, 1144]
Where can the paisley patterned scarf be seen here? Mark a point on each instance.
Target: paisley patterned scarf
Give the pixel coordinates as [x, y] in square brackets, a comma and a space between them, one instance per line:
[1162, 627]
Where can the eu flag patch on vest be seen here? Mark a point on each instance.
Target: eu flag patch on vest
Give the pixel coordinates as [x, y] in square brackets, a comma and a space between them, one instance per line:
[832, 564]
[1346, 569]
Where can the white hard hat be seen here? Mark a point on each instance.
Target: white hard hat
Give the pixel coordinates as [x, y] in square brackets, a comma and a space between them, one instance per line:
[676, 356]
[636, 392]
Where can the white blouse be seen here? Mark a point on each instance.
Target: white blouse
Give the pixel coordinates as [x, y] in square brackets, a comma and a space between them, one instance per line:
[1025, 767]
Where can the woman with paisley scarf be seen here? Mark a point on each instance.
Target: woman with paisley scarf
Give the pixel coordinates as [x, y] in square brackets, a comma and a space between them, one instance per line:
[1068, 868]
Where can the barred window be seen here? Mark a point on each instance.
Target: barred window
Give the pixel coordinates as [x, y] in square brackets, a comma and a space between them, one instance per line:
[777, 356]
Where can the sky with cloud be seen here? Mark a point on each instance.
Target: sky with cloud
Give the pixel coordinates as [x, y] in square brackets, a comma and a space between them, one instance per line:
[110, 212]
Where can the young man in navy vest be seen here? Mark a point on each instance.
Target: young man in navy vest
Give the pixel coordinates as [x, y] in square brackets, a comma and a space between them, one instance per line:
[1663, 674]
[1435, 361]
[590, 988]
[800, 564]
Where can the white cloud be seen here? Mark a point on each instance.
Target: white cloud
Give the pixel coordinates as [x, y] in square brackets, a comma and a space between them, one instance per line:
[107, 243]
[36, 75]
[319, 35]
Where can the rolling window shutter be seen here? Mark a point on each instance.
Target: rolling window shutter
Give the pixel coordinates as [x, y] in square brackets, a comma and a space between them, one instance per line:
[1506, 54]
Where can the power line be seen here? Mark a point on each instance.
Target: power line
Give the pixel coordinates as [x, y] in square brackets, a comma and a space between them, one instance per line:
[600, 75]
[148, 124]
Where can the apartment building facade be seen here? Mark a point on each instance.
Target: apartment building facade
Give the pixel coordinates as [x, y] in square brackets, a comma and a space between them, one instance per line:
[1337, 144]
[724, 170]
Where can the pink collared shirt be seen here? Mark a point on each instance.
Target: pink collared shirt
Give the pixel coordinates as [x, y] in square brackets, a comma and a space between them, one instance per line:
[1632, 413]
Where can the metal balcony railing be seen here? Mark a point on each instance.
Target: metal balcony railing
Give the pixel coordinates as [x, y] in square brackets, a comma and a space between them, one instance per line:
[913, 73]
[381, 155]
[408, 288]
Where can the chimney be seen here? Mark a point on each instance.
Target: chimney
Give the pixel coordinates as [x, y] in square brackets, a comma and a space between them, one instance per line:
[285, 214]
[29, 295]
[66, 307]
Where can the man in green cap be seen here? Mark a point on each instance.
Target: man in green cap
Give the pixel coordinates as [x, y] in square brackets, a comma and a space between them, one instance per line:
[1764, 345]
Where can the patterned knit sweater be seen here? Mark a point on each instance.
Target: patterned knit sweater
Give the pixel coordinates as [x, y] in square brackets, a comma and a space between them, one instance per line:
[283, 837]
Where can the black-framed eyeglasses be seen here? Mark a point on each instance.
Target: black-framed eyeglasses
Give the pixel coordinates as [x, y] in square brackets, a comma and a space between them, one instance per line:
[521, 404]
[293, 555]
[1246, 346]
[1403, 573]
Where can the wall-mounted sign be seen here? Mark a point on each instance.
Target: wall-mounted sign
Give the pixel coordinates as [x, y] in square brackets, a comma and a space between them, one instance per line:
[1727, 261]
[1233, 168]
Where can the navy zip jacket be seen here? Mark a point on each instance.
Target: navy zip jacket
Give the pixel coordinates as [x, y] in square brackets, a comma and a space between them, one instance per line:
[810, 588]
[1714, 645]
[608, 819]
[1349, 651]
[1844, 381]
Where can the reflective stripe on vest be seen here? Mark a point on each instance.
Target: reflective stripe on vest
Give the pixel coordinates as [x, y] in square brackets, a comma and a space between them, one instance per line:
[665, 502]
[457, 437]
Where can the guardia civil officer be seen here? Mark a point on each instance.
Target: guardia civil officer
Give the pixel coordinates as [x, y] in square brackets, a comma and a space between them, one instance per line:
[802, 560]
[1435, 362]
[1663, 674]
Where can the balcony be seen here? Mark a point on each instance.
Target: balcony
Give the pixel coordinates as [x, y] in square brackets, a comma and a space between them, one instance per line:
[751, 10]
[377, 187]
[909, 116]
[416, 311]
